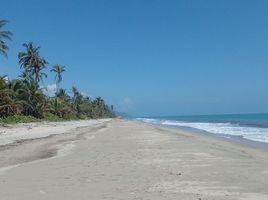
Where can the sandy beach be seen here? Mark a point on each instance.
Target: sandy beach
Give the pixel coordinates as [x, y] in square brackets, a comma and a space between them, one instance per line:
[116, 159]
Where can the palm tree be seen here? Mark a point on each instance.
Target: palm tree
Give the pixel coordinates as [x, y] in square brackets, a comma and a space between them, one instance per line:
[62, 99]
[34, 98]
[4, 35]
[76, 100]
[99, 101]
[62, 94]
[25, 76]
[58, 69]
[10, 103]
[99, 107]
[75, 93]
[32, 62]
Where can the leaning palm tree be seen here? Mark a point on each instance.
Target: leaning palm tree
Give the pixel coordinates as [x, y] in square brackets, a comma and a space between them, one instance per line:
[32, 62]
[4, 35]
[58, 69]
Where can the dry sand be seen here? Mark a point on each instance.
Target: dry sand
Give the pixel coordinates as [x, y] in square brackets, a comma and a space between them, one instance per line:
[115, 159]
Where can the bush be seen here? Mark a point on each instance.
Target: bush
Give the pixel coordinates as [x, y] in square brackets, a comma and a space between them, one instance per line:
[52, 118]
[18, 119]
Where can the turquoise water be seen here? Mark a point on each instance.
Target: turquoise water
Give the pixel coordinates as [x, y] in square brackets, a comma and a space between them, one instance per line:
[249, 126]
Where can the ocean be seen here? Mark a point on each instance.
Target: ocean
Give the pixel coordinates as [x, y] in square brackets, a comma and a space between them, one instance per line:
[253, 127]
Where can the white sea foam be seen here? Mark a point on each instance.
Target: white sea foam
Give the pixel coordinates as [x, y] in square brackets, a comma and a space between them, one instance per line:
[259, 134]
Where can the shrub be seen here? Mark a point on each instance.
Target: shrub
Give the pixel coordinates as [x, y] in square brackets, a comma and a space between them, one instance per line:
[52, 118]
[19, 119]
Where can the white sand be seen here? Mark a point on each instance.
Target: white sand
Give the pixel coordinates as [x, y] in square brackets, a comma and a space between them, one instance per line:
[131, 160]
[12, 133]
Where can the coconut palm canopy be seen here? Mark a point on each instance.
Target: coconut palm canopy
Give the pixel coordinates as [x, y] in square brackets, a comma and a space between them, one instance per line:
[4, 36]
[25, 97]
[58, 69]
[31, 61]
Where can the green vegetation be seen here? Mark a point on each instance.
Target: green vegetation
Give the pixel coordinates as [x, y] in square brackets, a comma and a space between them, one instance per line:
[4, 35]
[18, 119]
[23, 100]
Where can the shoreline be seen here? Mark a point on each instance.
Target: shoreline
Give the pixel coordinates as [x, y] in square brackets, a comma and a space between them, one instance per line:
[120, 159]
[67, 137]
[240, 140]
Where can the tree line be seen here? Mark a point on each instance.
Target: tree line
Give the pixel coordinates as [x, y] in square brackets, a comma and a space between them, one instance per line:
[24, 96]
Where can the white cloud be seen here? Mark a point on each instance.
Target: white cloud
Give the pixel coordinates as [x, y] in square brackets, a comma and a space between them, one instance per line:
[6, 79]
[50, 90]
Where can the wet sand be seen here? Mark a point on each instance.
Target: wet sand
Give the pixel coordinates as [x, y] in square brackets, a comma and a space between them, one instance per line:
[131, 160]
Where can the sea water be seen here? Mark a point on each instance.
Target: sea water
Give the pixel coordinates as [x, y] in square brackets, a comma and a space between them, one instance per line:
[248, 126]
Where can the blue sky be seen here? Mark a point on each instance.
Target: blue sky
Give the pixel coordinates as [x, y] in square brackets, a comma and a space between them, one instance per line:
[158, 57]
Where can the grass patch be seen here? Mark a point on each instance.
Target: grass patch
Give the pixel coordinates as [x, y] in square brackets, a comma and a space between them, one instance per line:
[28, 119]
[18, 119]
[52, 118]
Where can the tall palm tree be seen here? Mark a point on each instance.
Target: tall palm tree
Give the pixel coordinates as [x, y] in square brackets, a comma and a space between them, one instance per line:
[25, 76]
[76, 99]
[75, 93]
[32, 62]
[4, 35]
[58, 69]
